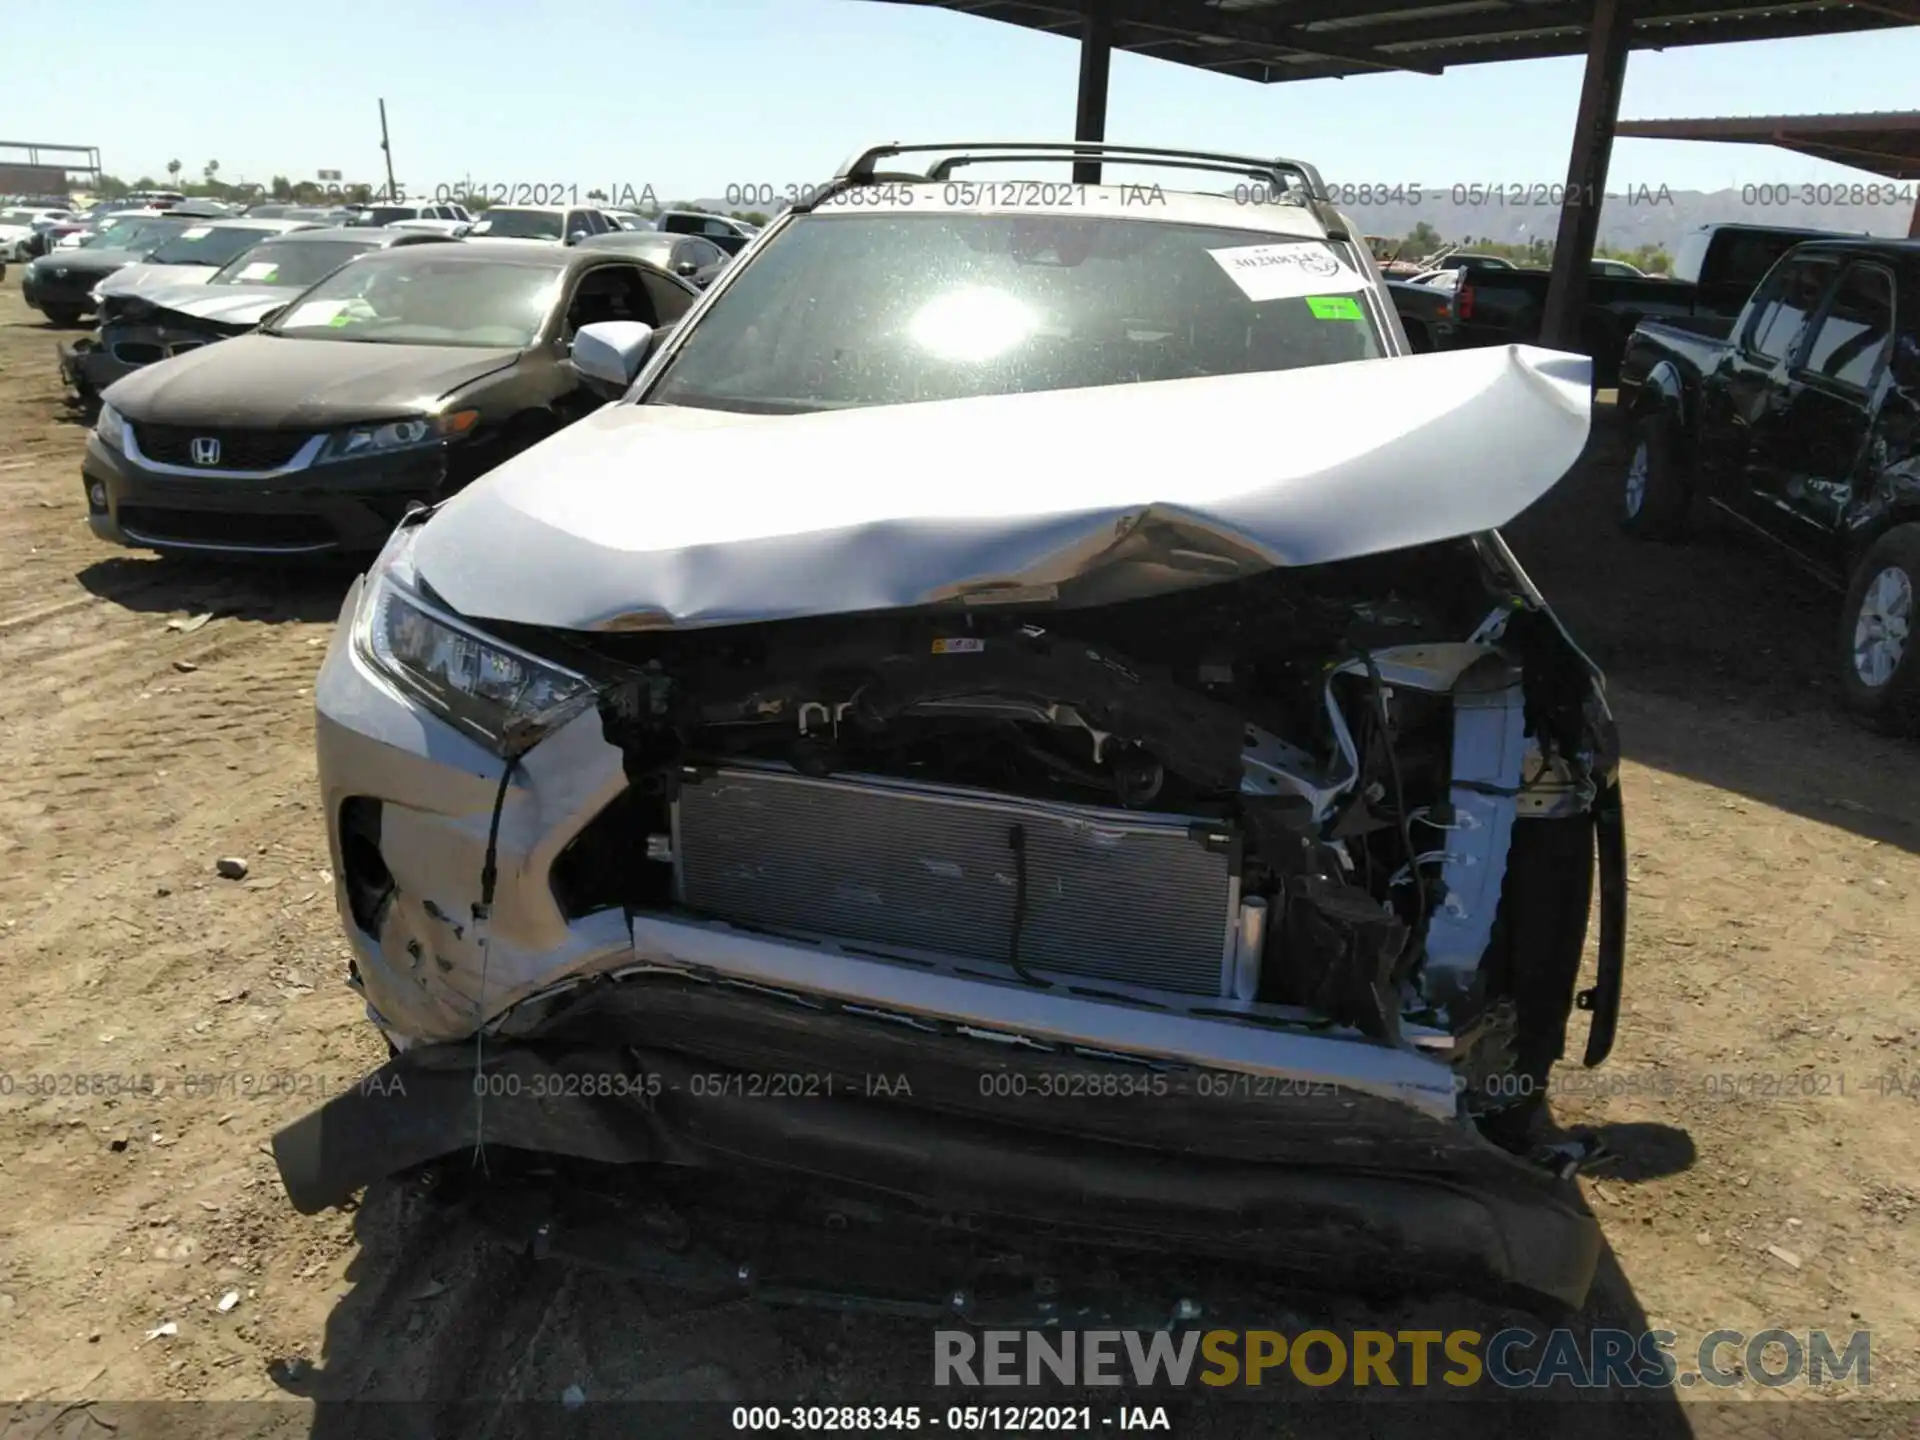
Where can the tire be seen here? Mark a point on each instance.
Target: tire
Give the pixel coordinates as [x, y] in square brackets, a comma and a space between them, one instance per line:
[1419, 341]
[1879, 639]
[1655, 502]
[65, 316]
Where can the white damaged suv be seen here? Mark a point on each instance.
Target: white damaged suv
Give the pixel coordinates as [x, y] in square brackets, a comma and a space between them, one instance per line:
[1020, 718]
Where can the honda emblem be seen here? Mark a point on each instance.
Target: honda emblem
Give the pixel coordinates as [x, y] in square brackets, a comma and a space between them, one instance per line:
[205, 450]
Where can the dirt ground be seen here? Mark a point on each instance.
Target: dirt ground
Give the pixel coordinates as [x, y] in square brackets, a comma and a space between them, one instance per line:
[1771, 995]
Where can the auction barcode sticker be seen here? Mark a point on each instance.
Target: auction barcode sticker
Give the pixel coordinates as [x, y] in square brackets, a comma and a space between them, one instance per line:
[1290, 270]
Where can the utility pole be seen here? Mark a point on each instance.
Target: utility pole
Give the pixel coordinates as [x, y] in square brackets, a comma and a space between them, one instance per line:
[387, 149]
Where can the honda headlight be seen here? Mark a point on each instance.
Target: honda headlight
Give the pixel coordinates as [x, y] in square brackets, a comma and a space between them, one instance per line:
[111, 427]
[396, 435]
[503, 697]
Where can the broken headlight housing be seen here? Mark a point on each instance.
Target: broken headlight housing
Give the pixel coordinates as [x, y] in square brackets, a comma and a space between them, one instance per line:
[493, 692]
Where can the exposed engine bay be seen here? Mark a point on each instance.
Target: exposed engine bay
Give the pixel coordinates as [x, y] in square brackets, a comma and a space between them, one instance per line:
[1302, 796]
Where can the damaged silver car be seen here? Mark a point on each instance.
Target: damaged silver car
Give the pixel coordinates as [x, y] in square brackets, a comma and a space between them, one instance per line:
[1019, 727]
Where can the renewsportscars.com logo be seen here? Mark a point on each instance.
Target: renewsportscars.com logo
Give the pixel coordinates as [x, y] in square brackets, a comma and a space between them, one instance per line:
[1512, 1359]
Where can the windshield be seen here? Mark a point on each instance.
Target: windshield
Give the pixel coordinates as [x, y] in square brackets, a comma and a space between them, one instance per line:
[519, 225]
[844, 311]
[386, 214]
[17, 217]
[208, 245]
[132, 234]
[423, 300]
[294, 263]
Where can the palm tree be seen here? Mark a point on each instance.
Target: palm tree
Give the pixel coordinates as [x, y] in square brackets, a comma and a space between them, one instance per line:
[211, 169]
[173, 169]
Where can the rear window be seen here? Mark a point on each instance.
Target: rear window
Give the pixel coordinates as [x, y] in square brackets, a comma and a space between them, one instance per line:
[209, 245]
[841, 311]
[508, 224]
[289, 262]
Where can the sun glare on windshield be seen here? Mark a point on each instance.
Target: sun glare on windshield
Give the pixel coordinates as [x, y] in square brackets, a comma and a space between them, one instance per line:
[973, 324]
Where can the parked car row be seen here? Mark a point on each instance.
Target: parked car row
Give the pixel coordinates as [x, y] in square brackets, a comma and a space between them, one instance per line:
[139, 326]
[301, 397]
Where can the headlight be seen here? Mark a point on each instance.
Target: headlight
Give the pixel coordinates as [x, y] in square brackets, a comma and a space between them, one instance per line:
[505, 698]
[397, 435]
[111, 427]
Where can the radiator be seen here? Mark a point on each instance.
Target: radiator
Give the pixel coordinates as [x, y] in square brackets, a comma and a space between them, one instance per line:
[1121, 896]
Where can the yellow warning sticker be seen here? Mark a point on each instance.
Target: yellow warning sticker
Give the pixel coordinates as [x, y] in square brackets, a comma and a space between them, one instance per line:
[960, 646]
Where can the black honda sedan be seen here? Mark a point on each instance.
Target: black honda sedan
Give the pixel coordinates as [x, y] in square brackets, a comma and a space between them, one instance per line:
[395, 379]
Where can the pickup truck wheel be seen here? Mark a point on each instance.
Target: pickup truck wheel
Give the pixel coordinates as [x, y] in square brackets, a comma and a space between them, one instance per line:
[1879, 651]
[1654, 501]
[65, 316]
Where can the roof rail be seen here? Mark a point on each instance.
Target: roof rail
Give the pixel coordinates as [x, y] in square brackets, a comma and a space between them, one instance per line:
[1282, 174]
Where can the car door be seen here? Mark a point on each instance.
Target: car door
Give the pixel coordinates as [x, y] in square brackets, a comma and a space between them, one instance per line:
[1819, 424]
[1743, 398]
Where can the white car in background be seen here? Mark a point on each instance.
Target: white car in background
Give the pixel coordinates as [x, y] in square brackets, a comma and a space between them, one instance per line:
[19, 225]
[443, 216]
[557, 224]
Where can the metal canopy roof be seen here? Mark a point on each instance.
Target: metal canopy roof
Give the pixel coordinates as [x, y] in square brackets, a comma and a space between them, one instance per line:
[1275, 40]
[1883, 142]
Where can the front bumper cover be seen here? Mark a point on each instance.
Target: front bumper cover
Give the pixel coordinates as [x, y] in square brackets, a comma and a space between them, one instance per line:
[1324, 1184]
[345, 508]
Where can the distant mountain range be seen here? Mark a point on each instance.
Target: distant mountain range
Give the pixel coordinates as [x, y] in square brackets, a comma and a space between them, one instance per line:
[1630, 218]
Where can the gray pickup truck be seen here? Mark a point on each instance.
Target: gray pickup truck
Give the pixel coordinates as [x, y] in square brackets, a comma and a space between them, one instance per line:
[1800, 419]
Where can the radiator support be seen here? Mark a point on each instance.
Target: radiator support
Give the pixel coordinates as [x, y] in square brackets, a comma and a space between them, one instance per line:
[1132, 897]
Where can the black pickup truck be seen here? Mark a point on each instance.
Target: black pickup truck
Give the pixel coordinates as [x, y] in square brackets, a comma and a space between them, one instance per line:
[1800, 418]
[1715, 269]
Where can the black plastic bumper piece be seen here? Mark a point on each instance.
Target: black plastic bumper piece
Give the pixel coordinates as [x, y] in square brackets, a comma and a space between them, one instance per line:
[1508, 1233]
[1602, 1002]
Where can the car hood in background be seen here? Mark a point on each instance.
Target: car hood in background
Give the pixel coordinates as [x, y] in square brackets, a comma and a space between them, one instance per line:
[220, 304]
[143, 278]
[78, 262]
[268, 382]
[1083, 497]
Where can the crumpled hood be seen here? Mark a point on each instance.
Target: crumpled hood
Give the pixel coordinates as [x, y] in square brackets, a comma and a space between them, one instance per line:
[144, 278]
[220, 304]
[643, 517]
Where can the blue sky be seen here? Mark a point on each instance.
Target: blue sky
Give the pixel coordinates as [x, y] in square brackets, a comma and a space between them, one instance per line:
[692, 97]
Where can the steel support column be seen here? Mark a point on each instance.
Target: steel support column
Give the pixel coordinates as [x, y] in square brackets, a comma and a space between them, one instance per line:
[1587, 173]
[1090, 109]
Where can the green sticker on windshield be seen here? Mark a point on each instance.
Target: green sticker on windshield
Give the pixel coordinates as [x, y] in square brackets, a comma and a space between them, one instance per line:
[1334, 307]
[343, 318]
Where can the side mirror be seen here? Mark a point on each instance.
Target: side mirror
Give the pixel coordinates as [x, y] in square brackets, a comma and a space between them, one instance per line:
[574, 237]
[612, 350]
[685, 267]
